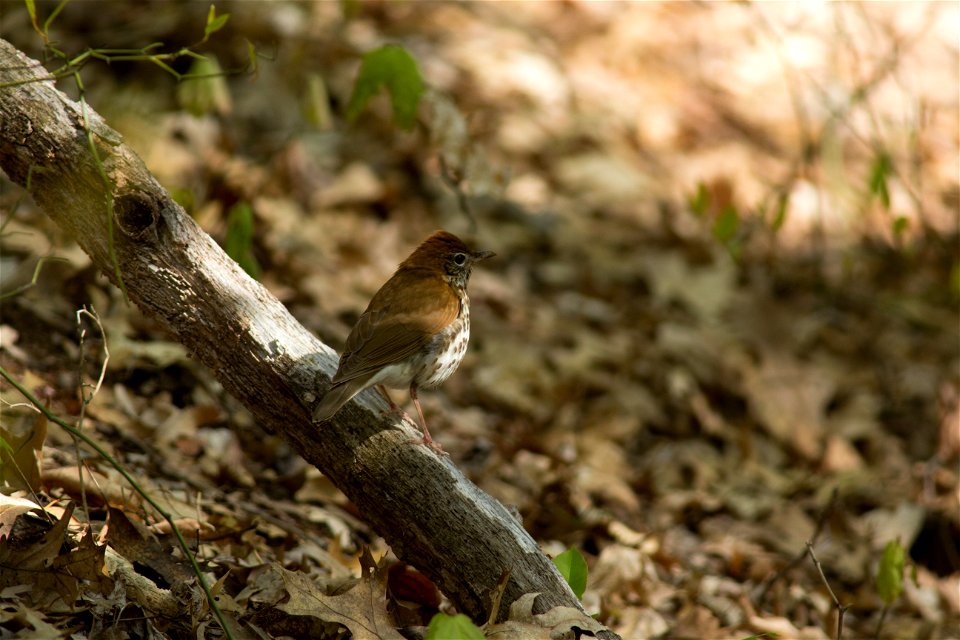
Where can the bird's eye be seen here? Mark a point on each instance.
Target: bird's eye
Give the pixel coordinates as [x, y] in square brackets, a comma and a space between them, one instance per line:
[459, 259]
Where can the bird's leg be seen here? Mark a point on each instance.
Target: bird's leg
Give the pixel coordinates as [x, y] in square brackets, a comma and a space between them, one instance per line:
[394, 407]
[426, 439]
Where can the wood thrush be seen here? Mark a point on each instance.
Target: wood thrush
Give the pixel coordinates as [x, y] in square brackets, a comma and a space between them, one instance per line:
[414, 332]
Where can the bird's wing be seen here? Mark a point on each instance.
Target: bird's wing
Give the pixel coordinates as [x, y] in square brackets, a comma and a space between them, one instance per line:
[400, 320]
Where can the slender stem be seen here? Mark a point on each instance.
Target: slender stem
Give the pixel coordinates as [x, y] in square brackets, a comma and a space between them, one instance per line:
[93, 444]
[841, 609]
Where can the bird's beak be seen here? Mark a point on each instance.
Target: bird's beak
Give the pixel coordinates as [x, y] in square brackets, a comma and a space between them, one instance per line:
[482, 255]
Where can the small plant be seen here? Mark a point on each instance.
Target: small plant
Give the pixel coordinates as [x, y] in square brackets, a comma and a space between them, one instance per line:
[70, 66]
[880, 171]
[239, 241]
[458, 627]
[890, 577]
[393, 67]
[204, 89]
[573, 568]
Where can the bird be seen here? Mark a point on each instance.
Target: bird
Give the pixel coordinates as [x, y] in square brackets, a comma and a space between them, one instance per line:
[414, 332]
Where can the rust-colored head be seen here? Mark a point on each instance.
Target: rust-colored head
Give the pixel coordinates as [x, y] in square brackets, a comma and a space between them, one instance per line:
[445, 252]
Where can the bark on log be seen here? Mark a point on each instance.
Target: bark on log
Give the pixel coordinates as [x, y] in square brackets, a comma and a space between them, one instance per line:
[431, 515]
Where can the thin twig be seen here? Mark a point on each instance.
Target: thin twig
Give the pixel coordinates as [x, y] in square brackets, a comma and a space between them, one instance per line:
[883, 617]
[841, 609]
[821, 521]
[93, 315]
[454, 179]
[85, 399]
[497, 596]
[122, 470]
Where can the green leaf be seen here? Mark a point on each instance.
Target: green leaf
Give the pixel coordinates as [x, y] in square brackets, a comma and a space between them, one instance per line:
[239, 243]
[252, 57]
[700, 201]
[890, 572]
[573, 568]
[458, 627]
[316, 102]
[214, 22]
[390, 66]
[900, 224]
[204, 89]
[726, 224]
[783, 203]
[350, 9]
[879, 172]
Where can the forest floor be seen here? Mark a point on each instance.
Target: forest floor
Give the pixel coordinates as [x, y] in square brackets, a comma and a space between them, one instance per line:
[717, 351]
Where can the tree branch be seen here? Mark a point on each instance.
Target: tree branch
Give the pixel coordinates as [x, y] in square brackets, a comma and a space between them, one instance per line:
[431, 515]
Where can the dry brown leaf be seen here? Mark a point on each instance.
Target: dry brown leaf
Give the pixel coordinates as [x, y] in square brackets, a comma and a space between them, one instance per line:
[698, 622]
[362, 608]
[356, 183]
[29, 622]
[126, 351]
[705, 291]
[85, 562]
[603, 473]
[902, 523]
[948, 446]
[8, 343]
[840, 456]
[789, 397]
[27, 555]
[786, 629]
[135, 542]
[559, 622]
[190, 528]
[640, 622]
[20, 456]
[621, 569]
[98, 488]
[11, 508]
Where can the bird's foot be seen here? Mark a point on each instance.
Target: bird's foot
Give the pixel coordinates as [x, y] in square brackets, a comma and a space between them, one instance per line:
[396, 413]
[430, 442]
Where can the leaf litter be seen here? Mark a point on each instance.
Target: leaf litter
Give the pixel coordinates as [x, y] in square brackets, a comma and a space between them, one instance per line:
[682, 407]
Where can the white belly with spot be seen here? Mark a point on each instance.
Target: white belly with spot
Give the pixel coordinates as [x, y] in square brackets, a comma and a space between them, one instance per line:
[450, 358]
[432, 368]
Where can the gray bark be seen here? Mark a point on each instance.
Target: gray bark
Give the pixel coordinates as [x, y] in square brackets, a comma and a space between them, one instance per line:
[430, 514]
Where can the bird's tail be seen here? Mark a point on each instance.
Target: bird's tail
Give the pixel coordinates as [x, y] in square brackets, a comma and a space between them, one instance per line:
[338, 396]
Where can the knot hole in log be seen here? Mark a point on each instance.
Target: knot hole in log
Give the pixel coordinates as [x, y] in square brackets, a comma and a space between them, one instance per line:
[136, 214]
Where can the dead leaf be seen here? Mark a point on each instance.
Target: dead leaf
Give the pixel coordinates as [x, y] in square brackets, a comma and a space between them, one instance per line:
[85, 563]
[362, 609]
[27, 555]
[21, 446]
[786, 629]
[698, 622]
[559, 622]
[135, 542]
[190, 528]
[29, 622]
[706, 291]
[97, 487]
[789, 397]
[8, 343]
[11, 508]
